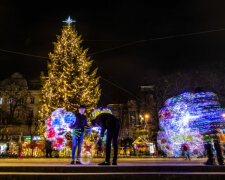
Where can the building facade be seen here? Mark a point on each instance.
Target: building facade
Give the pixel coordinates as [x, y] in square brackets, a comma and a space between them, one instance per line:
[137, 115]
[19, 100]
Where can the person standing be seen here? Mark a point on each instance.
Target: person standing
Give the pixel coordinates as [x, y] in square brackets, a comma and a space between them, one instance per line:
[218, 147]
[216, 142]
[78, 134]
[186, 150]
[48, 148]
[110, 123]
[210, 154]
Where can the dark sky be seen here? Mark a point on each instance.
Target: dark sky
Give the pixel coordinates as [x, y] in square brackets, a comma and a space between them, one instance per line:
[31, 27]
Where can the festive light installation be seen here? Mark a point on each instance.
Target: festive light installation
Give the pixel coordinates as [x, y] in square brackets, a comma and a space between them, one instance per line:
[98, 111]
[95, 113]
[97, 129]
[184, 118]
[70, 80]
[58, 125]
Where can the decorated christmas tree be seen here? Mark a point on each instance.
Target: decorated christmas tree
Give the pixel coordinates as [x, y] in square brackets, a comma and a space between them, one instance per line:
[69, 82]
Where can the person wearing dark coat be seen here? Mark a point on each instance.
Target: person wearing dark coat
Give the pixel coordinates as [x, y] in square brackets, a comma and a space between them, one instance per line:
[78, 134]
[48, 148]
[218, 148]
[112, 124]
[217, 145]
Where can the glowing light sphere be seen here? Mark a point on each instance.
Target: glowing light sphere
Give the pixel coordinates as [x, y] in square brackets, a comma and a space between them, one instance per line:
[98, 111]
[95, 113]
[59, 142]
[57, 126]
[69, 117]
[50, 134]
[184, 118]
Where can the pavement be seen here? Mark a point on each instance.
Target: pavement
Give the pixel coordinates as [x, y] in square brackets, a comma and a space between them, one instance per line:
[127, 169]
[95, 161]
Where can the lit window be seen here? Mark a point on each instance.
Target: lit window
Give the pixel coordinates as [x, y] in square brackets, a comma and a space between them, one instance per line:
[0, 100]
[10, 101]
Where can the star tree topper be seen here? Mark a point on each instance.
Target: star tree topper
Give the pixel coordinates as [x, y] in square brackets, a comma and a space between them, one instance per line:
[69, 21]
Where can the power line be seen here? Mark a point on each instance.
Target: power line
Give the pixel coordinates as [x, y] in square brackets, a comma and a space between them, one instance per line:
[102, 40]
[124, 45]
[112, 83]
[118, 47]
[23, 54]
[154, 39]
[31, 55]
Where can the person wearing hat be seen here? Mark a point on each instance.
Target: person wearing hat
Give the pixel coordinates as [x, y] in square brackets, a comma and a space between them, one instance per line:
[112, 124]
[78, 134]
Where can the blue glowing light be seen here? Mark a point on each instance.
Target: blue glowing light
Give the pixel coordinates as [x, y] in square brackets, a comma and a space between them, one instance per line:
[69, 21]
[184, 119]
[69, 117]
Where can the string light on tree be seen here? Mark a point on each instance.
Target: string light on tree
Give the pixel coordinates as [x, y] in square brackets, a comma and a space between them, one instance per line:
[69, 81]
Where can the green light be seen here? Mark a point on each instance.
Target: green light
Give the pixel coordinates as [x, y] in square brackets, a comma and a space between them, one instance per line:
[27, 137]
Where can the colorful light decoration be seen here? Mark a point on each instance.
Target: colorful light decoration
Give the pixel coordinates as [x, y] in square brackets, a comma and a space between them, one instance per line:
[95, 113]
[184, 118]
[96, 129]
[58, 126]
[98, 111]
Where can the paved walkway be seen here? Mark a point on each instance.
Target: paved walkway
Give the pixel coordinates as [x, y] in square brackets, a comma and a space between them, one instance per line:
[127, 169]
[94, 161]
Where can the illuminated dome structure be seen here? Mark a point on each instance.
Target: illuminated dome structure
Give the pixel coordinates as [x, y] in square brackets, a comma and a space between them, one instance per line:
[184, 119]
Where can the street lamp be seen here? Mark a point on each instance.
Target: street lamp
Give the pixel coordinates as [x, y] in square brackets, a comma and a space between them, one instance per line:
[147, 116]
[223, 115]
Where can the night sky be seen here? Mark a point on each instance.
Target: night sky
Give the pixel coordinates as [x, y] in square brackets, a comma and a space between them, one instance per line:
[31, 27]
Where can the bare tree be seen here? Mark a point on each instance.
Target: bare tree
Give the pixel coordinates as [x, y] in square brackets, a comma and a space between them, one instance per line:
[194, 81]
[14, 108]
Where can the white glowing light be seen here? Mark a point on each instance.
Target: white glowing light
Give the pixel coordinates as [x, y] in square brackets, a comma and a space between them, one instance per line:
[69, 21]
[184, 118]
[97, 129]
